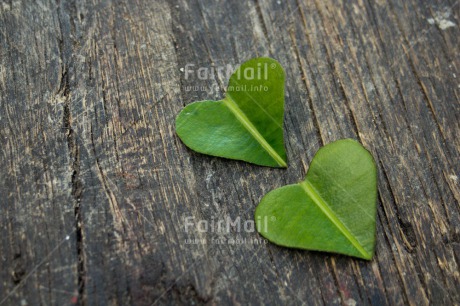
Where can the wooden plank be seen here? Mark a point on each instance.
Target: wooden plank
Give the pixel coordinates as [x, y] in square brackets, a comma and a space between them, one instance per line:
[96, 187]
[38, 262]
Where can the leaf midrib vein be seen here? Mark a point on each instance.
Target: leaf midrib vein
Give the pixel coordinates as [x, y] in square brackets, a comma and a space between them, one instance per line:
[244, 120]
[311, 191]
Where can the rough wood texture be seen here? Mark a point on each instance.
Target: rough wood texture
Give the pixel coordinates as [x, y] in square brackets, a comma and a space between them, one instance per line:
[95, 185]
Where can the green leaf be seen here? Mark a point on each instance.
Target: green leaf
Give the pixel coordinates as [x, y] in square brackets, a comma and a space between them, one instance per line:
[332, 210]
[247, 124]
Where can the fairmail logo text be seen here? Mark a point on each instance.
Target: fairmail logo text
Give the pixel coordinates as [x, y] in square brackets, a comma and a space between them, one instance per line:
[225, 225]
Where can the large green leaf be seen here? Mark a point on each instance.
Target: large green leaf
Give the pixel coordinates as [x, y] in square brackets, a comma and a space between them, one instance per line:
[247, 124]
[332, 210]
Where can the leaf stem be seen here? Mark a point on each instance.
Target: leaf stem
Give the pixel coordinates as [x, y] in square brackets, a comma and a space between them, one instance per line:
[311, 191]
[244, 120]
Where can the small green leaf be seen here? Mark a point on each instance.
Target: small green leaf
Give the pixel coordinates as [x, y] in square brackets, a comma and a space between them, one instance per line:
[332, 210]
[247, 124]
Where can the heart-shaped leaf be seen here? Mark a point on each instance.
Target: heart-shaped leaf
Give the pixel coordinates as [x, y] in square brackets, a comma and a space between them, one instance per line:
[332, 210]
[247, 124]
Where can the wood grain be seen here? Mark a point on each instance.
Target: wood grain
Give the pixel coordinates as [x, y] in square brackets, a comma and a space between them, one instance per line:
[95, 186]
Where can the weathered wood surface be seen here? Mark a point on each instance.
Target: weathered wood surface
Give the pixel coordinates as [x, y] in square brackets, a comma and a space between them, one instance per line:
[95, 185]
